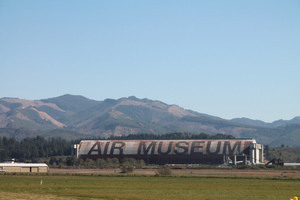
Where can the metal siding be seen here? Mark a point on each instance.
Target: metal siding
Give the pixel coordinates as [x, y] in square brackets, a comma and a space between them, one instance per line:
[25, 169]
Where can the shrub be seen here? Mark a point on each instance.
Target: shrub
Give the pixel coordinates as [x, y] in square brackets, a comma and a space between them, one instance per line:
[127, 168]
[164, 171]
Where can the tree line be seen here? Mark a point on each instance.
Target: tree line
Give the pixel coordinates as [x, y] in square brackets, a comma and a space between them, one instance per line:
[31, 149]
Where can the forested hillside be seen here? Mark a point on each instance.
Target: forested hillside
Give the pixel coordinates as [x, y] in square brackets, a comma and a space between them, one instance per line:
[73, 116]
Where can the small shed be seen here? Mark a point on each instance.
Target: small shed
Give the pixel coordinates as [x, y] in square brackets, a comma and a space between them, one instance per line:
[24, 167]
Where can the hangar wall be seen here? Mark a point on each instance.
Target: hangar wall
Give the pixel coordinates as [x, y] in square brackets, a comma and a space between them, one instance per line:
[174, 151]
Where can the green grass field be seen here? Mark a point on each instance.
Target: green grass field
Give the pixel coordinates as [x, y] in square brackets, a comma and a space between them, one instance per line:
[145, 187]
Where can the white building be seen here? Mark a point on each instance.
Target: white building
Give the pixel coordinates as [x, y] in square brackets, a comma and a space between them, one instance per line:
[12, 167]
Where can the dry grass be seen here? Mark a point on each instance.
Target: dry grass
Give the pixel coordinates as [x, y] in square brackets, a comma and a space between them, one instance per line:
[22, 196]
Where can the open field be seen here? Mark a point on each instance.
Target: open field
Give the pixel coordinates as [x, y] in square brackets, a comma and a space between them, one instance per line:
[60, 186]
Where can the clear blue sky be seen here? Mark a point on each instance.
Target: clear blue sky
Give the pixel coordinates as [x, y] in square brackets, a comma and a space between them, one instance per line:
[224, 58]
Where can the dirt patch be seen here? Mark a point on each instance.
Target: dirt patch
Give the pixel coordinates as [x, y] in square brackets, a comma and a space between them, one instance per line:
[28, 103]
[100, 171]
[22, 117]
[47, 117]
[179, 112]
[3, 109]
[23, 196]
[189, 172]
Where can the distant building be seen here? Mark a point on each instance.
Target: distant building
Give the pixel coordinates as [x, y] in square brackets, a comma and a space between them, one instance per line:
[11, 167]
[230, 151]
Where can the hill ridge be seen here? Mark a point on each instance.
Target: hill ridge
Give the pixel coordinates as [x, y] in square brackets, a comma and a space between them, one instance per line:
[131, 115]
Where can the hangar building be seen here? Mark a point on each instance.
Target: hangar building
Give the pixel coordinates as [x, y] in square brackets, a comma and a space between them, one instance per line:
[12, 167]
[174, 151]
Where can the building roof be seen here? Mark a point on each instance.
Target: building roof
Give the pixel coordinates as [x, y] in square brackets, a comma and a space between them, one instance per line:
[23, 165]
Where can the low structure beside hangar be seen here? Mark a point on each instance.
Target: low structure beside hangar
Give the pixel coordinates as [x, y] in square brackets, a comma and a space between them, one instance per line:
[12, 167]
[231, 151]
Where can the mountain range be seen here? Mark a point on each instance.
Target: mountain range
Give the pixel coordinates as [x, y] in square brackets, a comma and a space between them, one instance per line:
[81, 117]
